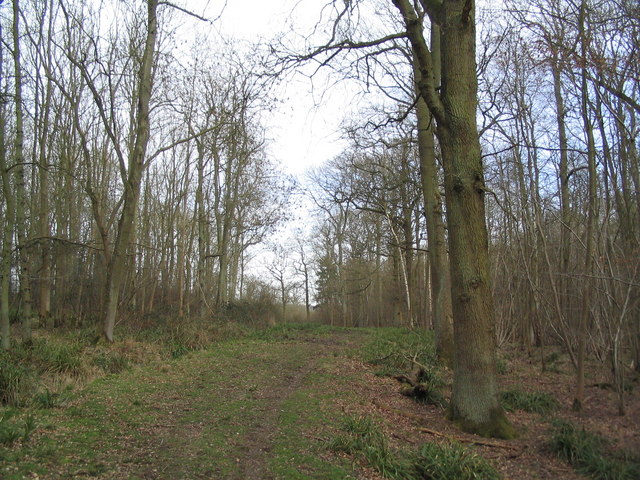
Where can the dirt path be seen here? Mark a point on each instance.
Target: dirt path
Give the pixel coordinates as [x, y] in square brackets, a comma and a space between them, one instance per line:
[239, 408]
[266, 409]
[244, 410]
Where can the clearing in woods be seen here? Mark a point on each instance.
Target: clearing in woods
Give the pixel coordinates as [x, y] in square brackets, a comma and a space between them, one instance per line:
[260, 408]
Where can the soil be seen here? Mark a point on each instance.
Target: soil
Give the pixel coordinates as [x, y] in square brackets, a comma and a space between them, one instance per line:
[169, 420]
[526, 457]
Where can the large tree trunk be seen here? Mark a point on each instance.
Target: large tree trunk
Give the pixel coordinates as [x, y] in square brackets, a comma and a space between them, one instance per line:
[474, 404]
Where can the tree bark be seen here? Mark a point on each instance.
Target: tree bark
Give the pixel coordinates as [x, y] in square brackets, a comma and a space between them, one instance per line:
[9, 224]
[437, 246]
[117, 268]
[21, 196]
[45, 283]
[474, 404]
[591, 218]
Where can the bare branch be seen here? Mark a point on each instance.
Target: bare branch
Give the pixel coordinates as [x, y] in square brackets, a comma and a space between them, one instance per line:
[188, 12]
[422, 55]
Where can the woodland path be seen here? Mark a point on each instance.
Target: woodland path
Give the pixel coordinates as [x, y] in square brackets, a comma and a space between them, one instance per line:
[247, 409]
[268, 407]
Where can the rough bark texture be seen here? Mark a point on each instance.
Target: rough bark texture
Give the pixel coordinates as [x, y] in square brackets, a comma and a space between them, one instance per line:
[474, 403]
[438, 260]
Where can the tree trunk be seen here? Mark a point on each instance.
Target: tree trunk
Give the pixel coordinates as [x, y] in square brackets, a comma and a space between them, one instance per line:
[437, 246]
[591, 218]
[474, 403]
[117, 268]
[9, 224]
[21, 196]
[565, 212]
[44, 304]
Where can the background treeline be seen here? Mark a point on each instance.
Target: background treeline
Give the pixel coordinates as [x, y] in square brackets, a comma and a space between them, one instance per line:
[72, 120]
[559, 112]
[559, 118]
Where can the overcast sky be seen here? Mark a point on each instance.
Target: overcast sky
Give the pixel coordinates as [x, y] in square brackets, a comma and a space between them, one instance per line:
[304, 130]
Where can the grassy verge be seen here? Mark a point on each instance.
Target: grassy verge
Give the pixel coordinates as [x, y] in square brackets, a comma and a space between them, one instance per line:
[363, 438]
[42, 372]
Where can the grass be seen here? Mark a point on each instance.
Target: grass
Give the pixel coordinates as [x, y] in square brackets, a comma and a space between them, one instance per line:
[591, 455]
[533, 402]
[392, 350]
[191, 416]
[13, 430]
[293, 331]
[399, 351]
[447, 461]
[16, 380]
[361, 436]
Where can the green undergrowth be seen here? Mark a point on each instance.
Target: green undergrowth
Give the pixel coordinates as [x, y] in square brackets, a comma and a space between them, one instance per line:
[38, 373]
[591, 454]
[395, 351]
[191, 417]
[294, 331]
[533, 402]
[363, 438]
[404, 353]
[15, 430]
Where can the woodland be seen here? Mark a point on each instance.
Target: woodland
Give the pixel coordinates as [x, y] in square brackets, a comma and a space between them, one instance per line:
[488, 191]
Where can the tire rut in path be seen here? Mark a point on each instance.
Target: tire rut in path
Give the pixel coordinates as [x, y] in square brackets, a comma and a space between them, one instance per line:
[267, 376]
[258, 441]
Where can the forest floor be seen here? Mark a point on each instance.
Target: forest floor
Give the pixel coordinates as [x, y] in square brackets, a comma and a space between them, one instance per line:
[271, 406]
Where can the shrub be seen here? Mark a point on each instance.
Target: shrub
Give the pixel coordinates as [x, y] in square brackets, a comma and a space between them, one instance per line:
[11, 431]
[535, 402]
[361, 436]
[57, 357]
[111, 362]
[587, 453]
[16, 381]
[502, 367]
[445, 462]
[48, 399]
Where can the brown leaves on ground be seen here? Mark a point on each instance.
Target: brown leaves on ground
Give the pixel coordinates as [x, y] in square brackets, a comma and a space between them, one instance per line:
[407, 424]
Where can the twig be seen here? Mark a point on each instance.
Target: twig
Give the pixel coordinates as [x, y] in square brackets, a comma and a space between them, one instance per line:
[484, 443]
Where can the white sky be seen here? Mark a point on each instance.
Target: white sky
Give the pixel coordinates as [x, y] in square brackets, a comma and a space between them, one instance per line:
[304, 130]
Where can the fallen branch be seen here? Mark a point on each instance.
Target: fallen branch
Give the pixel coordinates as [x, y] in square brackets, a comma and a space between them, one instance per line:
[418, 419]
[473, 441]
